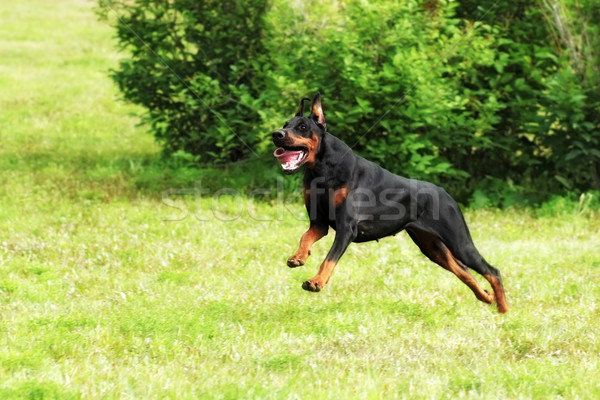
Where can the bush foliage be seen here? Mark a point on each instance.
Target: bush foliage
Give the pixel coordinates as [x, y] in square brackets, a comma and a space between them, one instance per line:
[497, 101]
[191, 64]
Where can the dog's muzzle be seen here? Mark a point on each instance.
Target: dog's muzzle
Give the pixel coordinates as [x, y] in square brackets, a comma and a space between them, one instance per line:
[291, 157]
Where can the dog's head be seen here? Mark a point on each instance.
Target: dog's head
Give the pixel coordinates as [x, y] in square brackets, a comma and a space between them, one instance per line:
[299, 140]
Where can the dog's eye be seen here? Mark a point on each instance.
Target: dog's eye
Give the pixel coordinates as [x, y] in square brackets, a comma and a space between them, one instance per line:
[303, 127]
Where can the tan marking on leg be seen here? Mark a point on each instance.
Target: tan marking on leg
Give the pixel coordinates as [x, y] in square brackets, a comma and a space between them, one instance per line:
[437, 252]
[318, 282]
[498, 293]
[464, 275]
[313, 234]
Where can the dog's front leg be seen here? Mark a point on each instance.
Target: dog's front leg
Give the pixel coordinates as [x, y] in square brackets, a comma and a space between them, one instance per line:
[344, 236]
[314, 233]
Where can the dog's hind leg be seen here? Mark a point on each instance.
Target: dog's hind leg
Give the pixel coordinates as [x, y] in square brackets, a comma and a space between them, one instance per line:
[493, 277]
[439, 253]
[496, 283]
[465, 252]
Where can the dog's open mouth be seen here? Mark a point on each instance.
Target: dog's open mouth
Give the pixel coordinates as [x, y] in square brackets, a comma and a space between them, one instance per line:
[291, 158]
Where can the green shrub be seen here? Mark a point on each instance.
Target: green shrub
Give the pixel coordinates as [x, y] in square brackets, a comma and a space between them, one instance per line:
[192, 65]
[485, 98]
[390, 59]
[572, 101]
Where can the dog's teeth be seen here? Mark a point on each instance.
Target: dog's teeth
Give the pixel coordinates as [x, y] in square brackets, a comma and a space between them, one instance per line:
[293, 164]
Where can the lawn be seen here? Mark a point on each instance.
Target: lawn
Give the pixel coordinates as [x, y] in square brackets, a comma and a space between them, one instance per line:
[113, 288]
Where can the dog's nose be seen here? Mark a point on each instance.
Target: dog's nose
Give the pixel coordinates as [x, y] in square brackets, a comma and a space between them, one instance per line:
[278, 135]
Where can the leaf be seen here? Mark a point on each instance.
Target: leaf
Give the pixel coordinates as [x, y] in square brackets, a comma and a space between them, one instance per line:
[547, 55]
[572, 154]
[364, 104]
[398, 59]
[595, 153]
[563, 181]
[480, 199]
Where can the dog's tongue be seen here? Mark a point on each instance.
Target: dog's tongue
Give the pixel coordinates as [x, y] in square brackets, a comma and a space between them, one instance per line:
[285, 156]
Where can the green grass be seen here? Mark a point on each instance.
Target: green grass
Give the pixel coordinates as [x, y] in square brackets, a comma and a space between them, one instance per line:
[106, 291]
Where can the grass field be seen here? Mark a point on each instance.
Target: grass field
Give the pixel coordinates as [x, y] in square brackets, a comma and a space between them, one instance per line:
[109, 290]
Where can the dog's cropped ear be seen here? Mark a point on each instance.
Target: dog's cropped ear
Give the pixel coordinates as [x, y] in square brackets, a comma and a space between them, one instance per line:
[317, 111]
[301, 107]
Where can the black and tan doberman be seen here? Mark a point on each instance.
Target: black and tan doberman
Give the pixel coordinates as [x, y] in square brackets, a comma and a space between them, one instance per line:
[362, 201]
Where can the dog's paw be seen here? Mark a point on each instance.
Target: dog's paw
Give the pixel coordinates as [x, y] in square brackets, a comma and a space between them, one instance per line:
[311, 286]
[488, 298]
[294, 262]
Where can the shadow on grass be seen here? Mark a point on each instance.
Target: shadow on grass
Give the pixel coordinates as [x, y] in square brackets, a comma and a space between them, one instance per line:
[108, 175]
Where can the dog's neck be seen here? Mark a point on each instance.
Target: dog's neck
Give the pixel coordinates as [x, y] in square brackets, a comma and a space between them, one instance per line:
[324, 164]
